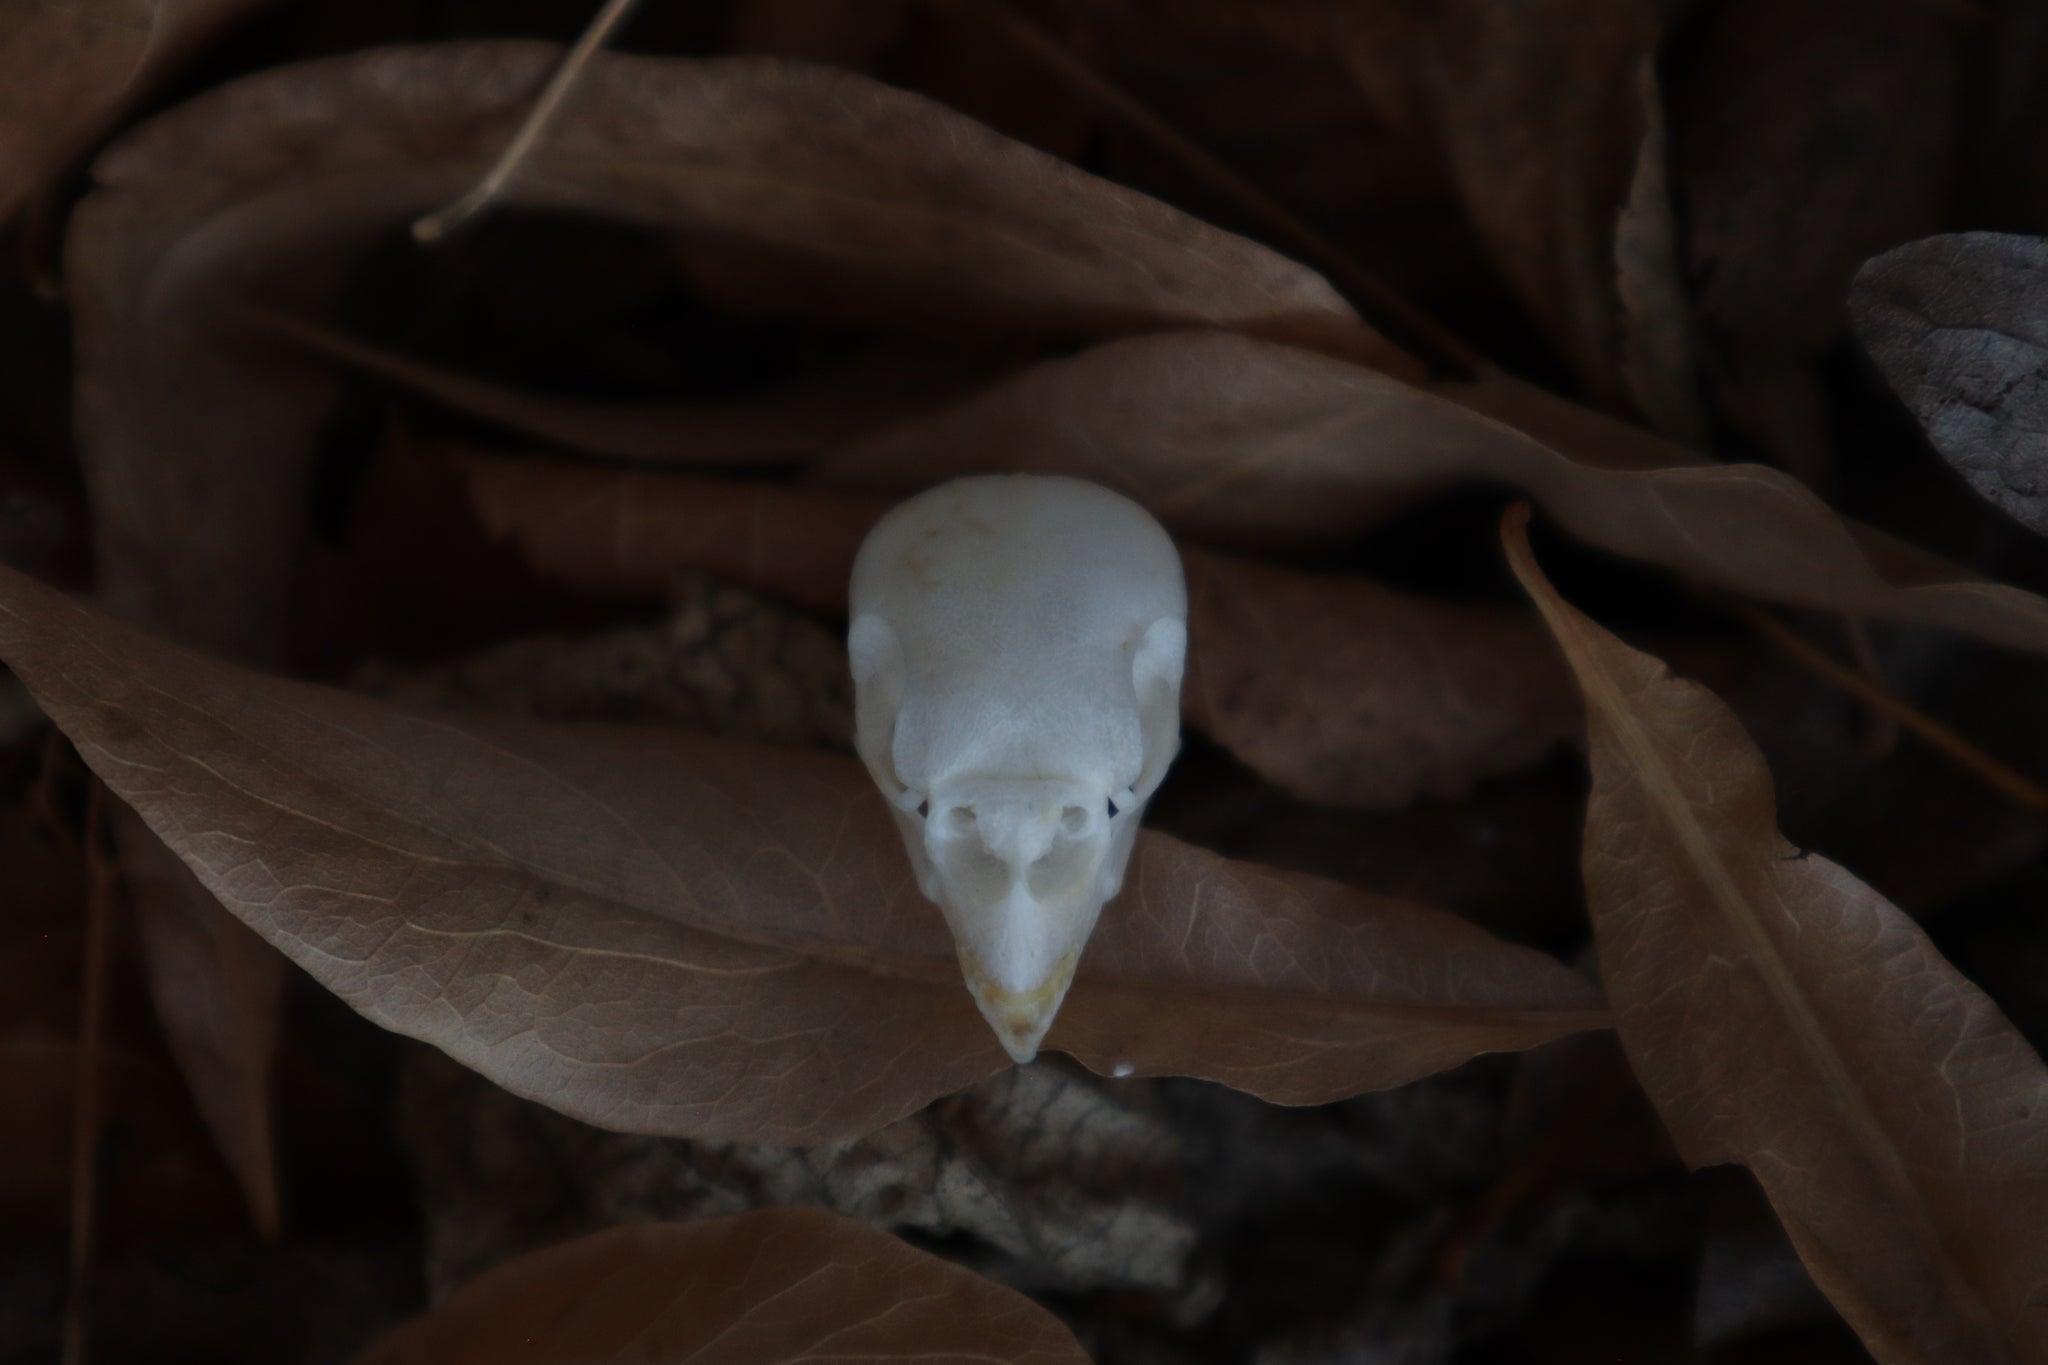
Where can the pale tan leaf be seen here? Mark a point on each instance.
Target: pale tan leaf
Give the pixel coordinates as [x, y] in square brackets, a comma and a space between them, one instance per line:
[773, 1287]
[665, 932]
[1782, 1014]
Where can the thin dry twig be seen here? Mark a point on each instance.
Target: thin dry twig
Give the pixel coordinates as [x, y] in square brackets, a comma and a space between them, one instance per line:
[438, 224]
[2022, 789]
[1401, 320]
[85, 1120]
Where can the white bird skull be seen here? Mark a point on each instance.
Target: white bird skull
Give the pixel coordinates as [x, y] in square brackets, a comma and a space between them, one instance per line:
[1017, 646]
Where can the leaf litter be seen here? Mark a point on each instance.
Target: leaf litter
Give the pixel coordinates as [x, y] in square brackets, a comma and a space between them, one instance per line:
[1889, 1109]
[834, 293]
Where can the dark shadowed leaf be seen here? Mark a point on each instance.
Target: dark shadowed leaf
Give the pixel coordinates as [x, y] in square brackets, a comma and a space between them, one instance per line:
[1340, 691]
[160, 1173]
[798, 421]
[217, 989]
[68, 71]
[1849, 109]
[1958, 325]
[1543, 163]
[665, 932]
[773, 1287]
[1782, 1014]
[790, 190]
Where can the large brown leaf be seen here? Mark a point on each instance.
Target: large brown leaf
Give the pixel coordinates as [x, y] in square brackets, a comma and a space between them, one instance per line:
[67, 71]
[1224, 439]
[1782, 1014]
[1341, 691]
[773, 1287]
[799, 190]
[666, 932]
[1958, 325]
[1234, 439]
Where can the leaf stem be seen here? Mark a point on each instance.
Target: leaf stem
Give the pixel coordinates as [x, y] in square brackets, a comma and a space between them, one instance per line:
[1990, 770]
[85, 1108]
[438, 224]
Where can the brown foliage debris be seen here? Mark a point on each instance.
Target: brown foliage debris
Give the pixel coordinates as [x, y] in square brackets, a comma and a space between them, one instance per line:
[1782, 1014]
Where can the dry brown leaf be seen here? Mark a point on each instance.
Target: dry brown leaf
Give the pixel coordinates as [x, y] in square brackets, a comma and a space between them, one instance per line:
[799, 190]
[1958, 325]
[1231, 441]
[1782, 1014]
[665, 932]
[1228, 438]
[68, 70]
[773, 1287]
[1848, 110]
[630, 532]
[1338, 690]
[1349, 694]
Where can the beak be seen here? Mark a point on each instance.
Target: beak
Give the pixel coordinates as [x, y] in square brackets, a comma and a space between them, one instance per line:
[1020, 1018]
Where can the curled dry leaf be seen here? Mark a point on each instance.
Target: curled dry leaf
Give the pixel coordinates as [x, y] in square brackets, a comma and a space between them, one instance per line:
[670, 933]
[1229, 438]
[1958, 325]
[67, 72]
[1338, 690]
[1782, 1014]
[774, 1287]
[794, 189]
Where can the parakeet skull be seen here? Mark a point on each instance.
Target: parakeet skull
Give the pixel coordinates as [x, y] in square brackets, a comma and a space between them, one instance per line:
[1017, 645]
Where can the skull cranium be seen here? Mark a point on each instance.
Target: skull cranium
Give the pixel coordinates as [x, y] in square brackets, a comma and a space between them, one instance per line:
[1017, 645]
